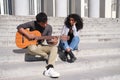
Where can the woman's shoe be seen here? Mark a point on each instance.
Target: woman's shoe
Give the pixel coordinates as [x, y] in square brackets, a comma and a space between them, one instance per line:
[64, 56]
[72, 57]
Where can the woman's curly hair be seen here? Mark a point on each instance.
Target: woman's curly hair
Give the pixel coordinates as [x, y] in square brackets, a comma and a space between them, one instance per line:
[77, 18]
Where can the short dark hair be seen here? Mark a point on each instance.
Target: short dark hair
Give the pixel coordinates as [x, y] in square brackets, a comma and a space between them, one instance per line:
[41, 17]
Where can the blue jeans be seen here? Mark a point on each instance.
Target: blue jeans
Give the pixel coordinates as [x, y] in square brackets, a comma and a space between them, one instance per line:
[73, 44]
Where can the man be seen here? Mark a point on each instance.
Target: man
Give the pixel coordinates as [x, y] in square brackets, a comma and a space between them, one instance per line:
[49, 52]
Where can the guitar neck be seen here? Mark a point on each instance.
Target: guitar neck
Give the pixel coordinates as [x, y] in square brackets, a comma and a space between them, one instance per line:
[52, 37]
[45, 37]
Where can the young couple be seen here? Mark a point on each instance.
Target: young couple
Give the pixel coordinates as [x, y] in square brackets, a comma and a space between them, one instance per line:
[73, 24]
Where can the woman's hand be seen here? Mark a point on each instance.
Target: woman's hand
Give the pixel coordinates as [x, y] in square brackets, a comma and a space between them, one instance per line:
[74, 23]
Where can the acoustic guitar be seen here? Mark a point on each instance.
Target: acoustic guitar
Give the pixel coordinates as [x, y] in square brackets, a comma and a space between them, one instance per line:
[23, 42]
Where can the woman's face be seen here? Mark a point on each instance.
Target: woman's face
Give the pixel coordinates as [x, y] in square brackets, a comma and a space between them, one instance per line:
[72, 21]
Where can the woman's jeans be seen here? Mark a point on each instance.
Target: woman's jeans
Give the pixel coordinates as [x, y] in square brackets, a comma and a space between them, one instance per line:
[73, 45]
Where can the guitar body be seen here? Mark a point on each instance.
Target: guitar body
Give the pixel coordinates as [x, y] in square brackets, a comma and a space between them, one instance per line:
[23, 42]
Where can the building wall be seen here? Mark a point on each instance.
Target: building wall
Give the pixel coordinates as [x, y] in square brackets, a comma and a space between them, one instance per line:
[81, 7]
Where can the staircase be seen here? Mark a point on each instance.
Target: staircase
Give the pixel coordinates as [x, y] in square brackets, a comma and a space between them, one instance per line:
[98, 57]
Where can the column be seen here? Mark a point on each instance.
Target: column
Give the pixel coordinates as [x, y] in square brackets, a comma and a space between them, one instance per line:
[35, 6]
[72, 6]
[49, 7]
[82, 8]
[78, 6]
[2, 7]
[108, 10]
[94, 8]
[102, 8]
[114, 8]
[61, 8]
[53, 8]
[118, 9]
[21, 7]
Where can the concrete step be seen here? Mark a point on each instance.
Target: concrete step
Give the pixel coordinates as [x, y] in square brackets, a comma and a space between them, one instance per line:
[86, 28]
[8, 39]
[60, 20]
[86, 34]
[101, 40]
[93, 69]
[58, 31]
[106, 73]
[18, 55]
[13, 17]
[81, 76]
[95, 30]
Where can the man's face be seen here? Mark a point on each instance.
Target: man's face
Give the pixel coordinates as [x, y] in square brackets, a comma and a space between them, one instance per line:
[42, 24]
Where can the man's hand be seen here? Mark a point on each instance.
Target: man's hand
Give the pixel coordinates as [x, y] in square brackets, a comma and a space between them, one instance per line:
[53, 41]
[31, 36]
[26, 34]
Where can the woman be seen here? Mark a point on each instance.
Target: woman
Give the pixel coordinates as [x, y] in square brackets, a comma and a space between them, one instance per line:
[73, 23]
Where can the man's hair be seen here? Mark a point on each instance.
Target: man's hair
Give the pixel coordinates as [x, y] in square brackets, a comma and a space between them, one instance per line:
[41, 17]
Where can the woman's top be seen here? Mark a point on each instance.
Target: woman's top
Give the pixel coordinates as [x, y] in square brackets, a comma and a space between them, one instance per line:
[71, 32]
[65, 30]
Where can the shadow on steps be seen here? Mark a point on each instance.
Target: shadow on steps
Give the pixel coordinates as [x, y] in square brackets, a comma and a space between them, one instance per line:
[28, 57]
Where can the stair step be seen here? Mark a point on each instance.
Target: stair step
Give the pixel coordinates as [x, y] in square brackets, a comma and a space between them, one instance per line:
[106, 73]
[18, 55]
[78, 69]
[95, 30]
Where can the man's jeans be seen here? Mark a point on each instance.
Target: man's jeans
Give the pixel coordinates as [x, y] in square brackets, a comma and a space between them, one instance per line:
[73, 45]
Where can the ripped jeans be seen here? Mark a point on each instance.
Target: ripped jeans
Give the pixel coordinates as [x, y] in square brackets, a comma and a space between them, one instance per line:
[73, 44]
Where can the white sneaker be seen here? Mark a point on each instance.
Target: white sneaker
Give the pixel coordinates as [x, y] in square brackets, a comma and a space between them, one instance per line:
[51, 73]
